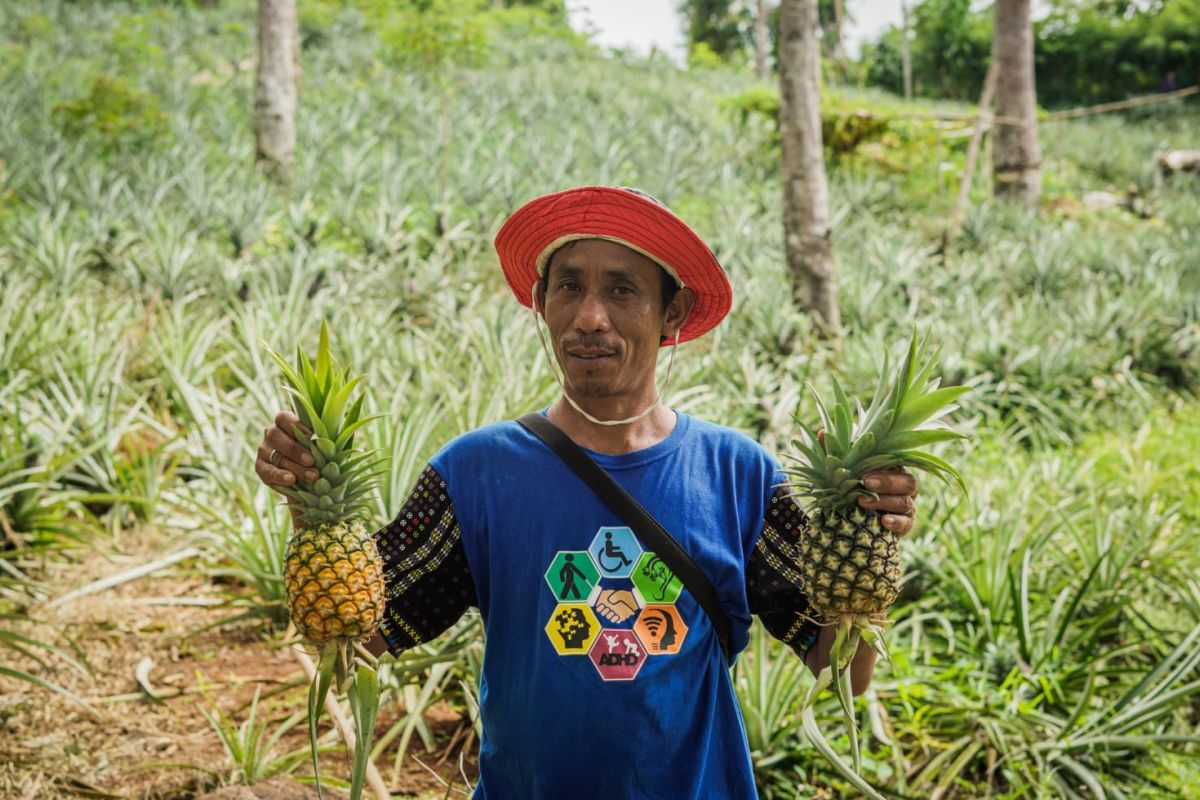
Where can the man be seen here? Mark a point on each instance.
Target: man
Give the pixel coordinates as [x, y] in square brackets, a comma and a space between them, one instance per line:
[625, 694]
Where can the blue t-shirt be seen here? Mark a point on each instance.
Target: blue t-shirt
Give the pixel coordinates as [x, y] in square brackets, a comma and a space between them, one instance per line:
[602, 677]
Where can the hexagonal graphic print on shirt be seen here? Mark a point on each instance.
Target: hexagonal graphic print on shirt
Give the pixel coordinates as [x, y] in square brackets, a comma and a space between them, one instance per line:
[655, 581]
[615, 603]
[572, 576]
[616, 606]
[618, 654]
[661, 629]
[615, 551]
[572, 628]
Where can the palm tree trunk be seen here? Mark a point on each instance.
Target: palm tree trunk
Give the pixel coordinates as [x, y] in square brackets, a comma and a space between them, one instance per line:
[277, 85]
[839, 15]
[807, 242]
[1016, 156]
[762, 42]
[905, 55]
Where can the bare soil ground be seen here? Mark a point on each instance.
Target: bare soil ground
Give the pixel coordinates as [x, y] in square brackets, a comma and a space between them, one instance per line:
[133, 746]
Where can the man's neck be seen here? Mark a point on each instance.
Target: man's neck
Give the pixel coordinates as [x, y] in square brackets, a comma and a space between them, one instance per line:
[612, 439]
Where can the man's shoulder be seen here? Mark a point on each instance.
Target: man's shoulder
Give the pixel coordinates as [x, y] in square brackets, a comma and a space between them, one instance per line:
[728, 439]
[487, 442]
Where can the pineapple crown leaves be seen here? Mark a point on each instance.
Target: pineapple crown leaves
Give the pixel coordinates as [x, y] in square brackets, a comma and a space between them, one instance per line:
[321, 397]
[904, 416]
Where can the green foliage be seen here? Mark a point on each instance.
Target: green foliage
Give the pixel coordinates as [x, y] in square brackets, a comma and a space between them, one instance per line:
[723, 28]
[554, 9]
[1091, 52]
[1039, 597]
[446, 670]
[35, 512]
[433, 33]
[33, 27]
[843, 130]
[758, 100]
[137, 283]
[701, 56]
[1085, 51]
[115, 115]
[723, 31]
[248, 748]
[1156, 462]
[844, 126]
[429, 34]
[770, 682]
[950, 46]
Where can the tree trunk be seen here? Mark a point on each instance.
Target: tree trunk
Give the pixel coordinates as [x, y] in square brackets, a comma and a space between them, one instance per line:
[806, 231]
[762, 42]
[964, 186]
[277, 85]
[840, 45]
[905, 55]
[1016, 157]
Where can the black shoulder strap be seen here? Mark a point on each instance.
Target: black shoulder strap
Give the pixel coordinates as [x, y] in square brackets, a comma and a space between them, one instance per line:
[647, 528]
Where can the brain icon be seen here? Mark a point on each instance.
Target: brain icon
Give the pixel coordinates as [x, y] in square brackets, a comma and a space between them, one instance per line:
[572, 626]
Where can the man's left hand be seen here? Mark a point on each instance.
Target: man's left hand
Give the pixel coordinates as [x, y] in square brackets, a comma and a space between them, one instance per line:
[897, 490]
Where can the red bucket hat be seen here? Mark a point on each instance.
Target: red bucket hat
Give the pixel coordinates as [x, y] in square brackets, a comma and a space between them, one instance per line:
[630, 217]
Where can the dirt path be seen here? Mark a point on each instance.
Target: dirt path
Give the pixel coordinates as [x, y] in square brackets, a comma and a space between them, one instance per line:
[137, 747]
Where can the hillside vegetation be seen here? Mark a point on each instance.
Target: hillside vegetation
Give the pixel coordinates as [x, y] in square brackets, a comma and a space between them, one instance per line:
[1048, 642]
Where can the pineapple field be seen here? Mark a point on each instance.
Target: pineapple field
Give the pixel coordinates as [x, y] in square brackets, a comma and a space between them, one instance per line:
[1045, 641]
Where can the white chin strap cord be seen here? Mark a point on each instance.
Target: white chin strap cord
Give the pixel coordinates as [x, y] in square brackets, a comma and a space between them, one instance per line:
[562, 381]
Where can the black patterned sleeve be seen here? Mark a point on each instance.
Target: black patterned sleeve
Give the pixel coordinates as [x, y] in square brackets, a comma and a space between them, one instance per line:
[772, 582]
[425, 567]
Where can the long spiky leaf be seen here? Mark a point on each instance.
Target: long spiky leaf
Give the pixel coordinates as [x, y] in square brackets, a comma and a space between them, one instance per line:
[323, 357]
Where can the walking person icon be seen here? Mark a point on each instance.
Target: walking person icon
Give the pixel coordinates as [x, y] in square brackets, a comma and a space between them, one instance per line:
[611, 550]
[567, 575]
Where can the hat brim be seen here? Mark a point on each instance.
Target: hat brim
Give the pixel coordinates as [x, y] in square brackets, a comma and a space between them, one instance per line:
[527, 239]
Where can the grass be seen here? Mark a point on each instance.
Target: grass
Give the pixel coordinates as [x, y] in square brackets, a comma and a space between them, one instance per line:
[143, 259]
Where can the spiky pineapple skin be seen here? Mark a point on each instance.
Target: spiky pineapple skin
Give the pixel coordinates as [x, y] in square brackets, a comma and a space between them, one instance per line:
[849, 563]
[334, 579]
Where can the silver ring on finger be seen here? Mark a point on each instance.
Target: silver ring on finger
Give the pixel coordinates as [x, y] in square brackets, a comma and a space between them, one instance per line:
[271, 458]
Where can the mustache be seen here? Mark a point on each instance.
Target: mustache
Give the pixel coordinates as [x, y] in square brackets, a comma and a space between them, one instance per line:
[593, 342]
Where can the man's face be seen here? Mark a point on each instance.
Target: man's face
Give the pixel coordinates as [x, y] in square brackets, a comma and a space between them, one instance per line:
[603, 306]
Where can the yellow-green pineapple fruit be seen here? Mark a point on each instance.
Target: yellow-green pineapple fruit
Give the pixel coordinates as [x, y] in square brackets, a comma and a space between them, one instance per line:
[332, 572]
[334, 582]
[850, 563]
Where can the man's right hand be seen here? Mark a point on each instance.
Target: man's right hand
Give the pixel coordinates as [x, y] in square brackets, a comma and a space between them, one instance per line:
[292, 460]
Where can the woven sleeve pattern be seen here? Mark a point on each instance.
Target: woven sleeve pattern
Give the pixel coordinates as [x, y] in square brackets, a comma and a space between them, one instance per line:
[429, 585]
[773, 584]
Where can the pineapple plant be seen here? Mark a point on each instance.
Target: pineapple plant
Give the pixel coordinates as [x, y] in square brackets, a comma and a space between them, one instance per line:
[333, 574]
[849, 563]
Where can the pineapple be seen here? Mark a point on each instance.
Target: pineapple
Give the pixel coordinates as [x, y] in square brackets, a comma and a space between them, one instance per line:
[332, 571]
[849, 563]
[334, 582]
